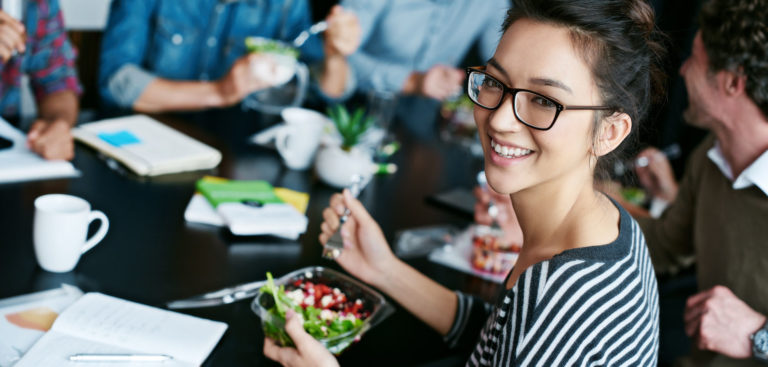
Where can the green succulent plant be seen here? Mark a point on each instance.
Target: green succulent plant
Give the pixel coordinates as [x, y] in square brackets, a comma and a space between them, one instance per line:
[350, 127]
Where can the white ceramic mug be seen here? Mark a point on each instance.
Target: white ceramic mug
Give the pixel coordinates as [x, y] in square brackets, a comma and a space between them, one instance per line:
[298, 139]
[60, 227]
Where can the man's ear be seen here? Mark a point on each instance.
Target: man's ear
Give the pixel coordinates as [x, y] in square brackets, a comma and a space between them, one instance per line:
[732, 83]
[613, 131]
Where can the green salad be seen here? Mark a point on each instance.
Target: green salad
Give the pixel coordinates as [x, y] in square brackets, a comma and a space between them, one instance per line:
[463, 102]
[634, 195]
[326, 312]
[264, 45]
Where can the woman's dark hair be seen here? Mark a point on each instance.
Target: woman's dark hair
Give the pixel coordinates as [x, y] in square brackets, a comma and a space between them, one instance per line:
[735, 35]
[618, 40]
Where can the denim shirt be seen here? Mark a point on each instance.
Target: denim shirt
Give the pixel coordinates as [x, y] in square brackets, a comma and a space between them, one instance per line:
[402, 36]
[185, 40]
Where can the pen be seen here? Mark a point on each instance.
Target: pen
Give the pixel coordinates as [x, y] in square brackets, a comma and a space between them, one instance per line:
[621, 167]
[120, 358]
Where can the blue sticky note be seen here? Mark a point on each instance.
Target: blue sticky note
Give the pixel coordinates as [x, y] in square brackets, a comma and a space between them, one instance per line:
[119, 138]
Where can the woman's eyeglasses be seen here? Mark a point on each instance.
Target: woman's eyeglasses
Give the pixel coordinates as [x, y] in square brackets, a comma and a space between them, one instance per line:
[531, 108]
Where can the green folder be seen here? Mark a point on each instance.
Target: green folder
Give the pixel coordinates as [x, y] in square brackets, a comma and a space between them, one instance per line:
[249, 192]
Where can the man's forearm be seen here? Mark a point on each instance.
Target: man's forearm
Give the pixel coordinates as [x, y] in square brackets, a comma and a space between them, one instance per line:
[62, 105]
[165, 95]
[333, 82]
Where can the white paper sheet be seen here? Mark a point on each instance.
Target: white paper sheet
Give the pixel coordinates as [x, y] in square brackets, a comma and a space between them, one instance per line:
[16, 339]
[199, 210]
[97, 323]
[54, 349]
[18, 163]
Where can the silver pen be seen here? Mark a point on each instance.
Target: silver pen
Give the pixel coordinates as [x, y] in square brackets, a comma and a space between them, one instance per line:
[120, 358]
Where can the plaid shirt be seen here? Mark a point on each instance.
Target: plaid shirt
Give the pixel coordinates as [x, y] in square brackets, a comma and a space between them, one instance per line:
[49, 60]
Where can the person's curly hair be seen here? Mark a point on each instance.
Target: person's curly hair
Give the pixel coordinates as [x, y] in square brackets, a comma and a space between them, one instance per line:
[735, 35]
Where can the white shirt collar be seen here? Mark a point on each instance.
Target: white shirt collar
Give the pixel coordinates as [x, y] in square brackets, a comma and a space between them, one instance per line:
[755, 174]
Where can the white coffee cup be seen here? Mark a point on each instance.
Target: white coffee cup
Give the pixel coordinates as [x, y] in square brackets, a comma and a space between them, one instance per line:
[298, 139]
[60, 227]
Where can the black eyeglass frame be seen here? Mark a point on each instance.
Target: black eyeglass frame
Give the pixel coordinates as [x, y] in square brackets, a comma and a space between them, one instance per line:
[559, 107]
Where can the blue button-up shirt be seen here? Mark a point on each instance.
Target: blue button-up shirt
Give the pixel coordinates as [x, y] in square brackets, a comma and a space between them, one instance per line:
[190, 40]
[402, 36]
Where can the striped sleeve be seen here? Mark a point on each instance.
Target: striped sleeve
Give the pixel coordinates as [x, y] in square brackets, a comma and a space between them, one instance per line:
[471, 314]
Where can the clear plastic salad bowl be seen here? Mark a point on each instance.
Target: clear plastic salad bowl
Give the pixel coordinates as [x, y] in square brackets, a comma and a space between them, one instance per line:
[283, 55]
[287, 76]
[373, 302]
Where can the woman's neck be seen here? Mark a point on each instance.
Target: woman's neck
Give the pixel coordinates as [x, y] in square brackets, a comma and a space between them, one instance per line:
[555, 218]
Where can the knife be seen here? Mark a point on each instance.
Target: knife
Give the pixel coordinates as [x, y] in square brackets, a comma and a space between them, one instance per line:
[223, 296]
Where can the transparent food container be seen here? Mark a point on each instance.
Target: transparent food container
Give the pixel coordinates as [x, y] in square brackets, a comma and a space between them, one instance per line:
[287, 76]
[373, 302]
[489, 253]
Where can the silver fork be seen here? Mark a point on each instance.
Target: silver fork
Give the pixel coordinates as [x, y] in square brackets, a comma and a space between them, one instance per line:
[493, 210]
[332, 248]
[316, 28]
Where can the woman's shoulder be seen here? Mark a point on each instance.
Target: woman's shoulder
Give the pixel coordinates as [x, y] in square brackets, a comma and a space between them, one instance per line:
[603, 303]
[624, 258]
[627, 244]
[595, 270]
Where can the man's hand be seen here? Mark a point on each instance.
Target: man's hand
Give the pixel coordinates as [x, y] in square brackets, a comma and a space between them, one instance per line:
[12, 37]
[308, 351]
[719, 321]
[343, 36]
[657, 176]
[52, 139]
[439, 82]
[244, 78]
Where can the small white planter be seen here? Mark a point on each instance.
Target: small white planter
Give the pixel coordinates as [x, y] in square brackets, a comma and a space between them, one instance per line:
[336, 167]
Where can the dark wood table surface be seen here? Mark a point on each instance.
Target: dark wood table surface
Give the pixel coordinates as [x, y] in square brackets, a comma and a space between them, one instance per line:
[151, 255]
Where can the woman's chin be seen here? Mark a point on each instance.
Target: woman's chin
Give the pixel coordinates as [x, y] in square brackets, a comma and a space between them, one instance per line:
[498, 182]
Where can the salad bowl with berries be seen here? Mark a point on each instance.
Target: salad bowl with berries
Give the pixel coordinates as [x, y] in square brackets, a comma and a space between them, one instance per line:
[335, 309]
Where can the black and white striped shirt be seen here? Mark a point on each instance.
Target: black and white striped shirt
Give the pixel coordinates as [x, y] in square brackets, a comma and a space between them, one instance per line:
[591, 306]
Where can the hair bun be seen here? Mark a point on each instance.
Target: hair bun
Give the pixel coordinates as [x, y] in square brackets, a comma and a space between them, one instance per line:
[641, 14]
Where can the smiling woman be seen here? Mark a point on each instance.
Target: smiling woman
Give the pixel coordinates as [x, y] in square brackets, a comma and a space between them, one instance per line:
[569, 82]
[562, 91]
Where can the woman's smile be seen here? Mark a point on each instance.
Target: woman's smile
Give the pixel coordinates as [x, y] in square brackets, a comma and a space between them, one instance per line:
[503, 153]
